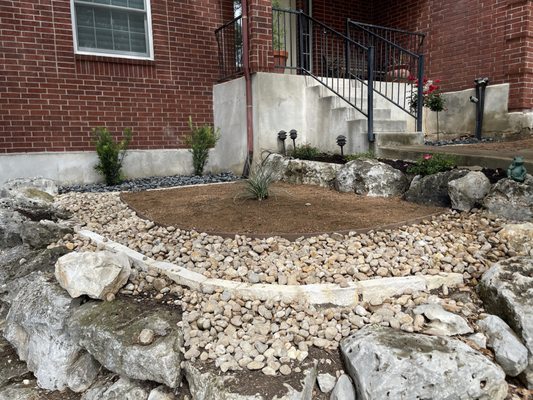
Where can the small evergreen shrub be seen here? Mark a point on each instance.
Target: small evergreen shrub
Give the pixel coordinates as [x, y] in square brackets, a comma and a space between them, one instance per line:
[202, 138]
[432, 163]
[111, 154]
[305, 152]
[357, 156]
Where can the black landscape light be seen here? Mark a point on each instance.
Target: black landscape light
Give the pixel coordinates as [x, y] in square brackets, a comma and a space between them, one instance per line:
[294, 135]
[282, 136]
[341, 142]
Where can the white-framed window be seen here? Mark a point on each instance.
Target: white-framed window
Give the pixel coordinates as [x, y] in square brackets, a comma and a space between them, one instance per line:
[113, 28]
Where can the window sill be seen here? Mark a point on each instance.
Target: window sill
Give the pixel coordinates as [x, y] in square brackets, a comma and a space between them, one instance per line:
[114, 60]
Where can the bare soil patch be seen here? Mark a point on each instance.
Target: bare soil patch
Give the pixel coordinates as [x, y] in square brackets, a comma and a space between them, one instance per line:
[291, 210]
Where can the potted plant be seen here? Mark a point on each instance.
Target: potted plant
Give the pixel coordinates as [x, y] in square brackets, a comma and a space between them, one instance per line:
[399, 69]
[278, 38]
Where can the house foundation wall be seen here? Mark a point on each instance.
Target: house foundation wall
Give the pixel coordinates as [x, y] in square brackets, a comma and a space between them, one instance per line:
[460, 115]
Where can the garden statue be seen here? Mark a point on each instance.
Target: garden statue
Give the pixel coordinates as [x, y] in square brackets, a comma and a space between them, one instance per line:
[516, 170]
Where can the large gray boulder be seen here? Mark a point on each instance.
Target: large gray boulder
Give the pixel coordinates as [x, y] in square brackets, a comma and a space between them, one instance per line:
[385, 363]
[509, 351]
[109, 331]
[36, 327]
[10, 228]
[343, 389]
[371, 178]
[95, 274]
[433, 189]
[302, 172]
[507, 291]
[512, 200]
[468, 191]
[18, 185]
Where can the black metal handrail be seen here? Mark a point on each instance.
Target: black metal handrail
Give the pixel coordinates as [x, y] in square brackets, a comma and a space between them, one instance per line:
[398, 63]
[339, 63]
[230, 48]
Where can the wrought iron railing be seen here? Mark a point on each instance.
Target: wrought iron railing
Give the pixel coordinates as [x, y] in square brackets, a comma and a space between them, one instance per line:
[398, 64]
[339, 63]
[230, 48]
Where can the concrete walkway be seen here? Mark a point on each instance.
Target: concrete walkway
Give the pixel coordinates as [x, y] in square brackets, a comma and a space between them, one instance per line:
[489, 155]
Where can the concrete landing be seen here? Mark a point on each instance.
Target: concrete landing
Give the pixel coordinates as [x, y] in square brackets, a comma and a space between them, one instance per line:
[489, 155]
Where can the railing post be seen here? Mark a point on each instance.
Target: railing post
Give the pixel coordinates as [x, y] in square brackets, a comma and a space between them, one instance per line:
[300, 40]
[420, 94]
[370, 96]
[347, 55]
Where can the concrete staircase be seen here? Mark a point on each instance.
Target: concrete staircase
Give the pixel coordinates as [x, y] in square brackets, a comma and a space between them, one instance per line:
[337, 117]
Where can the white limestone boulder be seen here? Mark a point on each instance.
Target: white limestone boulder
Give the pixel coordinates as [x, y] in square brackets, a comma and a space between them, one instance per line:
[371, 177]
[469, 191]
[518, 236]
[509, 351]
[507, 291]
[442, 322]
[95, 274]
[36, 326]
[511, 199]
[385, 363]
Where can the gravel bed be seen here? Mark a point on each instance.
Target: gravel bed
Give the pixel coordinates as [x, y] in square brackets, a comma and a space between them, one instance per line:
[154, 182]
[453, 242]
[240, 333]
[460, 140]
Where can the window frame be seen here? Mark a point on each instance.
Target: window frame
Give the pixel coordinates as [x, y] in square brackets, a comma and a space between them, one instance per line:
[113, 53]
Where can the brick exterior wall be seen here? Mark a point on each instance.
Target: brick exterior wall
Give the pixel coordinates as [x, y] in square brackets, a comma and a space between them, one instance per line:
[50, 98]
[468, 39]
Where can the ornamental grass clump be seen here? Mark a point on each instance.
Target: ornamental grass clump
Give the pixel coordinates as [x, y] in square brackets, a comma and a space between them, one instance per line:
[430, 164]
[111, 154]
[259, 181]
[201, 139]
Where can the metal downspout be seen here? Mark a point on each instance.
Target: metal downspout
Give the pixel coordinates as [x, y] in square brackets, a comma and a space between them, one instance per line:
[248, 85]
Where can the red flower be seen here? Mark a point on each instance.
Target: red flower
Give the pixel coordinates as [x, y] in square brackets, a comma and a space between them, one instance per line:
[427, 156]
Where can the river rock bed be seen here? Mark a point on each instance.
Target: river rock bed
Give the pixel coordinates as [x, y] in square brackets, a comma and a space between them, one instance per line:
[465, 243]
[153, 182]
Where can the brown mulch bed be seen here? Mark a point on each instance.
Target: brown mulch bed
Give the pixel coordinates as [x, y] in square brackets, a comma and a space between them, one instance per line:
[291, 210]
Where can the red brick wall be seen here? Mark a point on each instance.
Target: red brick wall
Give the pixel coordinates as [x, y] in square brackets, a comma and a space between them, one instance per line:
[334, 13]
[50, 98]
[468, 39]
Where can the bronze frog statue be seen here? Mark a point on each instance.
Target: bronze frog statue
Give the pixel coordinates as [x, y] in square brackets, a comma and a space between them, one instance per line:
[516, 170]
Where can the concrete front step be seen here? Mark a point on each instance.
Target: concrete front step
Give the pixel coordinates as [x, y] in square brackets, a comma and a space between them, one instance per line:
[353, 114]
[380, 125]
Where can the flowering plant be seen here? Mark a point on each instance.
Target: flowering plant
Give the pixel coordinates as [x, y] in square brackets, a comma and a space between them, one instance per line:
[429, 164]
[432, 94]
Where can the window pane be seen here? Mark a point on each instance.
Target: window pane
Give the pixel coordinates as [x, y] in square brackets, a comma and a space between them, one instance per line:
[120, 20]
[137, 23]
[110, 30]
[138, 43]
[122, 41]
[122, 3]
[102, 18]
[137, 4]
[104, 39]
[86, 37]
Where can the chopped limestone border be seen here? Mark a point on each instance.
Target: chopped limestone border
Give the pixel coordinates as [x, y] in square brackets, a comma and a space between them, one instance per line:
[372, 290]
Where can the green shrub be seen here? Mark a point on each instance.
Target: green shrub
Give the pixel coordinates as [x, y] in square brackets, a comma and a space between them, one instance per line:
[357, 156]
[110, 154]
[258, 182]
[305, 152]
[202, 138]
[432, 163]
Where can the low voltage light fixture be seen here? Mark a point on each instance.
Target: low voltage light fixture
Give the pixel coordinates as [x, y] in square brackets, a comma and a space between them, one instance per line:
[282, 136]
[341, 142]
